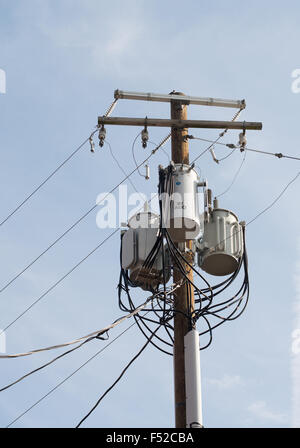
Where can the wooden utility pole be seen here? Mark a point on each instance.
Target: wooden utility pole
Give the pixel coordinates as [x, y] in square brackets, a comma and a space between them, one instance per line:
[184, 296]
[182, 302]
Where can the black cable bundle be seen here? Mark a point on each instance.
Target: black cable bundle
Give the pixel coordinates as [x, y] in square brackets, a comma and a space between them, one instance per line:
[206, 308]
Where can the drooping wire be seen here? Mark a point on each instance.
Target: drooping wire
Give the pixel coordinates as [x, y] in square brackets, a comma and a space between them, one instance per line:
[71, 375]
[234, 177]
[120, 166]
[94, 334]
[133, 154]
[117, 380]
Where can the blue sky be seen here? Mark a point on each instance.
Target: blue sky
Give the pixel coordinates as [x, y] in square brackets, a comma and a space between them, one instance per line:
[63, 60]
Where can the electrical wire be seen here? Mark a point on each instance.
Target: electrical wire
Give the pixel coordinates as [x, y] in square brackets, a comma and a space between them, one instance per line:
[77, 221]
[71, 375]
[153, 143]
[234, 177]
[45, 181]
[234, 147]
[133, 154]
[205, 312]
[117, 380]
[66, 275]
[205, 305]
[119, 165]
[214, 309]
[46, 364]
[221, 135]
[168, 312]
[75, 341]
[94, 336]
[60, 280]
[275, 200]
[107, 113]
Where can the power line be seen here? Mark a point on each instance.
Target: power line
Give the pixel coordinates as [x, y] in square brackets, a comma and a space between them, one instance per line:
[45, 181]
[60, 280]
[69, 376]
[104, 330]
[234, 177]
[115, 231]
[78, 221]
[213, 142]
[46, 364]
[133, 154]
[93, 336]
[265, 209]
[119, 165]
[279, 155]
[107, 113]
[88, 336]
[275, 200]
[153, 143]
[53, 389]
[118, 379]
[66, 275]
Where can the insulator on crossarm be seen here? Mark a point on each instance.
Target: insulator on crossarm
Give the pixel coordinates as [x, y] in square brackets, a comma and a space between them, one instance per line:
[242, 140]
[102, 135]
[145, 136]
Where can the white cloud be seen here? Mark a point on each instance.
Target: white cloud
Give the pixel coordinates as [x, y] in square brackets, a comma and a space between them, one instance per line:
[110, 43]
[260, 410]
[226, 382]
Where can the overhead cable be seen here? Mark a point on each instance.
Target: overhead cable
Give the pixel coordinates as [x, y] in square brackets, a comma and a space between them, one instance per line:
[75, 341]
[79, 220]
[71, 374]
[107, 113]
[279, 155]
[117, 380]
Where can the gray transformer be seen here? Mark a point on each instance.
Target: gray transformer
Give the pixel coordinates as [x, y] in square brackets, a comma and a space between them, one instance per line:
[221, 247]
[181, 208]
[137, 242]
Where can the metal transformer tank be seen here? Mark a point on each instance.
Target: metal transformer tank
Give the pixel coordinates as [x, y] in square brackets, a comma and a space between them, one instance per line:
[183, 220]
[221, 247]
[137, 242]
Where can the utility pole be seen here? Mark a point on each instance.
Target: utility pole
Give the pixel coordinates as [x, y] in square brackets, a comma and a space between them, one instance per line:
[182, 303]
[187, 387]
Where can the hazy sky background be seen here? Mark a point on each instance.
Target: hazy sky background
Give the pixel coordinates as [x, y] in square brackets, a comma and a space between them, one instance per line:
[63, 60]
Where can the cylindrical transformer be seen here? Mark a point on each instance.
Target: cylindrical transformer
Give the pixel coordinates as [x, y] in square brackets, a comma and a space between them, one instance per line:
[137, 242]
[221, 247]
[183, 220]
